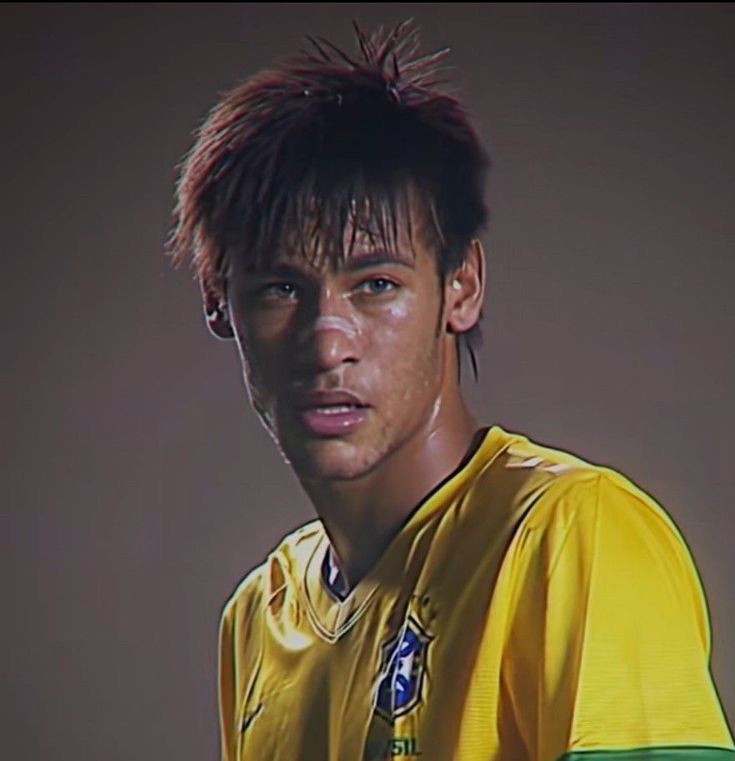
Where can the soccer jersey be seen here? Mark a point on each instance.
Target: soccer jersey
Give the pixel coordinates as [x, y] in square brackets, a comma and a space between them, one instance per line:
[533, 607]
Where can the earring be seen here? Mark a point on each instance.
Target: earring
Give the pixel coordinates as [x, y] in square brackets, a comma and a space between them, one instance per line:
[218, 311]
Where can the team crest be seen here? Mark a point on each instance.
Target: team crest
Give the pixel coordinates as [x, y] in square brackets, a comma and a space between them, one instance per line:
[402, 668]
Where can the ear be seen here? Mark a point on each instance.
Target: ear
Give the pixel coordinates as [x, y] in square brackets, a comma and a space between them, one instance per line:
[216, 309]
[464, 290]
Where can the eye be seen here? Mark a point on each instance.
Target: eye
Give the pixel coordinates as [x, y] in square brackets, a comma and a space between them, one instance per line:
[278, 291]
[375, 286]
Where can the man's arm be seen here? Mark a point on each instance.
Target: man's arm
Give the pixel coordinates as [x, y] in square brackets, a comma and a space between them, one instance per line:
[226, 683]
[608, 648]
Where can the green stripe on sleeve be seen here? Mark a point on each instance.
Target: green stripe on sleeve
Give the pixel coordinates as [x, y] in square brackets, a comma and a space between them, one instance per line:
[673, 753]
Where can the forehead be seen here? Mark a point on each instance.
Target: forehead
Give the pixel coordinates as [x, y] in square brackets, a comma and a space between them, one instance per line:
[329, 234]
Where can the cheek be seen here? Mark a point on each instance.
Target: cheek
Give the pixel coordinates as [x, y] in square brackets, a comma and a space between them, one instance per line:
[257, 366]
[405, 347]
[271, 327]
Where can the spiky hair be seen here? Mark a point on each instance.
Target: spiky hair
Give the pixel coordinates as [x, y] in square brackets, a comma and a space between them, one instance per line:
[326, 142]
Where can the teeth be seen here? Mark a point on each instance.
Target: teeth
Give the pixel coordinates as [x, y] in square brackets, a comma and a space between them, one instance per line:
[336, 409]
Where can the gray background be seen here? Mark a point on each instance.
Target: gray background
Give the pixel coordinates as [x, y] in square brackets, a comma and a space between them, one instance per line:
[140, 487]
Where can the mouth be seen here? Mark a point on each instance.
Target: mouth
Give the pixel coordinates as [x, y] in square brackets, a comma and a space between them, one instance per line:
[331, 413]
[333, 421]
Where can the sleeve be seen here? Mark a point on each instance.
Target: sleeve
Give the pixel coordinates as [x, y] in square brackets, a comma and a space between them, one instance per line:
[226, 683]
[607, 650]
[239, 654]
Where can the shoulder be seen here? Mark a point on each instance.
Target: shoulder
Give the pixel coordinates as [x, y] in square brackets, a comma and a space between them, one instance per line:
[562, 491]
[283, 565]
[596, 506]
[521, 472]
[570, 505]
[606, 638]
[592, 539]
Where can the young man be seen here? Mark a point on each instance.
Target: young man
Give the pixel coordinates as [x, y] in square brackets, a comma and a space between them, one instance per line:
[465, 593]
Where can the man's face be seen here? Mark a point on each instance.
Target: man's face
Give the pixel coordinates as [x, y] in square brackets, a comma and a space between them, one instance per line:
[344, 363]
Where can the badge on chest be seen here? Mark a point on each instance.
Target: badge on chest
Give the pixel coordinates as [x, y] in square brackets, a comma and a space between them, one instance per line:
[402, 667]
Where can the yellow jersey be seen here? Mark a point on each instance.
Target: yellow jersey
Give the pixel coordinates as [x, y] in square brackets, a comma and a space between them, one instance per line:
[533, 607]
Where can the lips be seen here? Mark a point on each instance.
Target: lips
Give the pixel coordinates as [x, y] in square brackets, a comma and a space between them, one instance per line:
[311, 399]
[331, 413]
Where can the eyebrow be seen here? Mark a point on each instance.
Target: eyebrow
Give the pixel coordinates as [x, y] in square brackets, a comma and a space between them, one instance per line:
[354, 263]
[367, 259]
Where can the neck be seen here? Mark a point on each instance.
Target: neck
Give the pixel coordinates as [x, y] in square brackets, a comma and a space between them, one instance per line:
[362, 515]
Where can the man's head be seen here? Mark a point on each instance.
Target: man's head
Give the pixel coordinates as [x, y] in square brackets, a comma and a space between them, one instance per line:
[332, 207]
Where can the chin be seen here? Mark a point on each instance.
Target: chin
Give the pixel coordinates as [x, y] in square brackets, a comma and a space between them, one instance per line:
[331, 459]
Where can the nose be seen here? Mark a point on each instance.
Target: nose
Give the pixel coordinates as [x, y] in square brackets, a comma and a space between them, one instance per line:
[331, 335]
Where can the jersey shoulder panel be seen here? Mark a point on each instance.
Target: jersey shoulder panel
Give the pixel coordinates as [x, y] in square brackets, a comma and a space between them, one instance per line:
[525, 452]
[609, 642]
[285, 563]
[560, 485]
[533, 475]
[242, 625]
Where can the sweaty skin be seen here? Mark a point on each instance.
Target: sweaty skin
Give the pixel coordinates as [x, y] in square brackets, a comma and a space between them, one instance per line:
[376, 327]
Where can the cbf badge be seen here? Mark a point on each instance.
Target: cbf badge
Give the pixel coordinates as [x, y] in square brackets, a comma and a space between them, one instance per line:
[403, 661]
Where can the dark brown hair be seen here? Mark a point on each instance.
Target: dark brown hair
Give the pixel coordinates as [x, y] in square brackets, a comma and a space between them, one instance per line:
[325, 139]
